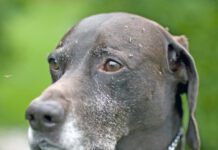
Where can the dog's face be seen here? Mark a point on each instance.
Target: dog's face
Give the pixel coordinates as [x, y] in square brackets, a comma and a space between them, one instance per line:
[110, 77]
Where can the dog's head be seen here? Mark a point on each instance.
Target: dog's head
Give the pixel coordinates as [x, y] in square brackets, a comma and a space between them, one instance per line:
[115, 77]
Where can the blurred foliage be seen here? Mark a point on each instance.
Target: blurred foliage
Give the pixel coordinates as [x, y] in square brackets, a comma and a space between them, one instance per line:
[29, 30]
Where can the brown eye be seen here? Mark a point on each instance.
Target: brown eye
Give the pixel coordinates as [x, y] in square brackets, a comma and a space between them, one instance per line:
[111, 66]
[53, 64]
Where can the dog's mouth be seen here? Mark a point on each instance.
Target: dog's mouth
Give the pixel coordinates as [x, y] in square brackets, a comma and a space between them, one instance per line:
[56, 140]
[46, 145]
[39, 141]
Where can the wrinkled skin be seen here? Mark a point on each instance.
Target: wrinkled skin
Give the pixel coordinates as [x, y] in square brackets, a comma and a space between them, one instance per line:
[131, 108]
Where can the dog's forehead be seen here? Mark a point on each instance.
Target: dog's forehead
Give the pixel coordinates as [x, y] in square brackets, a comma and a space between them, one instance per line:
[119, 30]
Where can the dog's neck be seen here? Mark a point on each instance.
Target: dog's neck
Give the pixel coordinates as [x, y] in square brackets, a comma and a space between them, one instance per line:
[153, 139]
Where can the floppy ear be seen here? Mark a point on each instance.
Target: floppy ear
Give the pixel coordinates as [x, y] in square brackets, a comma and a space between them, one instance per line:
[182, 65]
[182, 40]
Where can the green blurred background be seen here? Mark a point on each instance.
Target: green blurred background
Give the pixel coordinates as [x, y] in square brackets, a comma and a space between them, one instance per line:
[30, 29]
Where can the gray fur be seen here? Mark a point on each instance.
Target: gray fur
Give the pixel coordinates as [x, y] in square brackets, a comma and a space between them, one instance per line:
[135, 108]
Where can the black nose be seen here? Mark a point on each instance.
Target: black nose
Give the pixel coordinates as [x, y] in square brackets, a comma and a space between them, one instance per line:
[45, 115]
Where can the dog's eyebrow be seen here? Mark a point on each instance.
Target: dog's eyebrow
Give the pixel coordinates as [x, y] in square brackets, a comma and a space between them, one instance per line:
[54, 55]
[105, 50]
[51, 55]
[60, 55]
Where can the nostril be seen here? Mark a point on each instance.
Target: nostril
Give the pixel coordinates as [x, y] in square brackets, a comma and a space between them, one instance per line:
[48, 119]
[30, 117]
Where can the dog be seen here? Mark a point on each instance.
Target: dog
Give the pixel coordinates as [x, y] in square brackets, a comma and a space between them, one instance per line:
[117, 84]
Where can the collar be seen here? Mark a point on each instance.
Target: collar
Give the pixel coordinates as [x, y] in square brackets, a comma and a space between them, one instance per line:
[176, 140]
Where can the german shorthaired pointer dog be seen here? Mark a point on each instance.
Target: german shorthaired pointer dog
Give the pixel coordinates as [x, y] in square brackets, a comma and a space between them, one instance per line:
[117, 85]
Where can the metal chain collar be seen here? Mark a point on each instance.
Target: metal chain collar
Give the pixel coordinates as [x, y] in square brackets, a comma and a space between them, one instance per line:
[175, 142]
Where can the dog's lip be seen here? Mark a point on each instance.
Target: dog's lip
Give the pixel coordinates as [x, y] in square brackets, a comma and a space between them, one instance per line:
[42, 141]
[46, 144]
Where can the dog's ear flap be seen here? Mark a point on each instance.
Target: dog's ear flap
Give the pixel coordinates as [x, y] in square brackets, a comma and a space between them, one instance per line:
[182, 40]
[181, 63]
